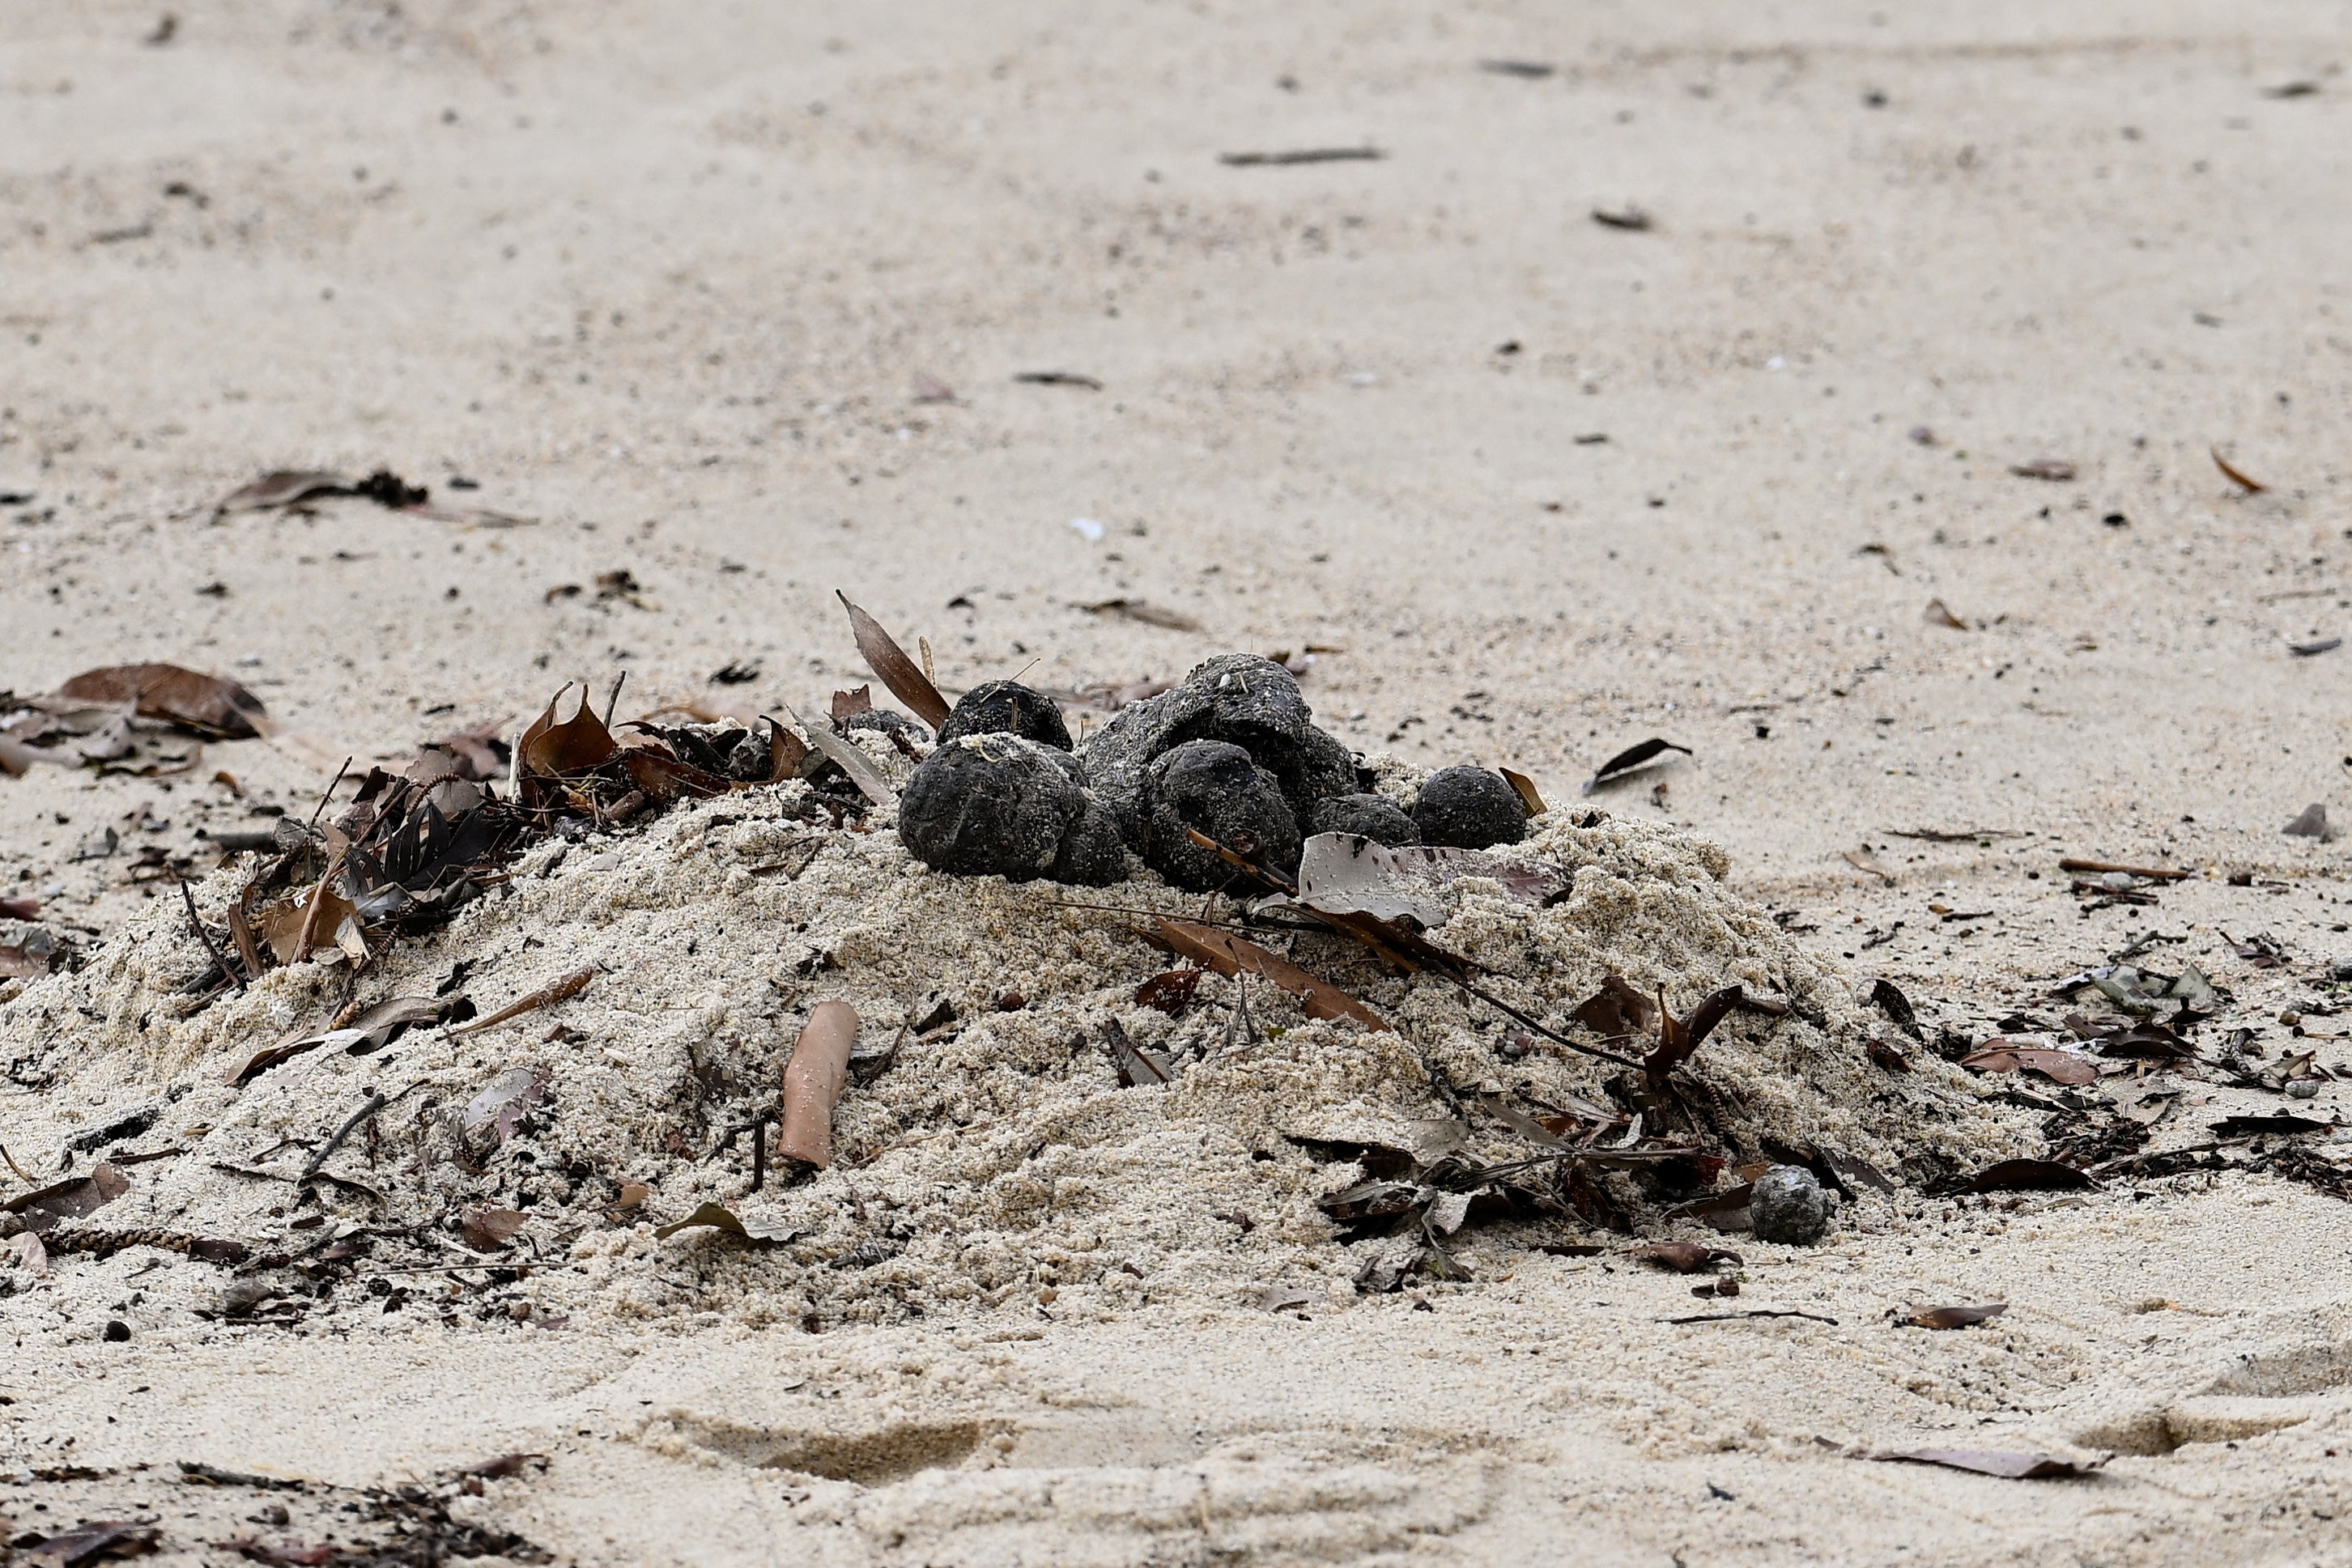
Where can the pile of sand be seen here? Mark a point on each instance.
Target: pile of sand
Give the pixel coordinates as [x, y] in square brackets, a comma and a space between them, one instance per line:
[993, 1162]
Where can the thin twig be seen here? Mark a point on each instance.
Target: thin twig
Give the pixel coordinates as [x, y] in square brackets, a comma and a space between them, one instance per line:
[330, 793]
[614, 702]
[758, 1127]
[1411, 953]
[205, 937]
[1752, 1312]
[375, 1101]
[570, 986]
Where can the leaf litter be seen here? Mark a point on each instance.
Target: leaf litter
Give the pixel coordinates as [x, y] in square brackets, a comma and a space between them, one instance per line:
[1089, 1135]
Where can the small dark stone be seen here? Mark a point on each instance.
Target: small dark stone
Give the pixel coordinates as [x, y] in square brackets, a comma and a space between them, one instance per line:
[1789, 1206]
[1008, 707]
[117, 1331]
[1213, 787]
[999, 805]
[887, 723]
[1470, 808]
[1375, 817]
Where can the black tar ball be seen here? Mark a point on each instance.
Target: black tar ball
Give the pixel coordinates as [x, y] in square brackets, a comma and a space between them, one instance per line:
[1374, 817]
[1213, 787]
[999, 805]
[1008, 707]
[884, 722]
[1470, 808]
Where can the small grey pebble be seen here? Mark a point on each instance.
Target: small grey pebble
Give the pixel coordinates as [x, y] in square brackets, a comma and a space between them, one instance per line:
[2302, 1089]
[1469, 808]
[1789, 1207]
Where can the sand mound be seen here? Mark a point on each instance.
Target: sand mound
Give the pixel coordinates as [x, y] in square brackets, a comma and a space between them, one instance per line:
[987, 1156]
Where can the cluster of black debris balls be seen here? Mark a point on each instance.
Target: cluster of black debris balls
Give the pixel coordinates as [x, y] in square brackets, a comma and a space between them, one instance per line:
[1231, 754]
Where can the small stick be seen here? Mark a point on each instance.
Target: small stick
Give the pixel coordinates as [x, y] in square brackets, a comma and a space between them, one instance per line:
[613, 701]
[377, 1101]
[2154, 873]
[812, 1080]
[758, 1127]
[205, 937]
[571, 986]
[329, 794]
[13, 1166]
[1756, 1312]
[241, 930]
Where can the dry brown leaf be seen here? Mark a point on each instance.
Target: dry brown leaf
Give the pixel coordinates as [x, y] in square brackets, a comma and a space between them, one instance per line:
[718, 1217]
[282, 487]
[1953, 1317]
[871, 781]
[77, 1198]
[1530, 796]
[1686, 1257]
[209, 705]
[1939, 613]
[1616, 1009]
[488, 1229]
[568, 746]
[1679, 1038]
[888, 661]
[1230, 955]
[2058, 1066]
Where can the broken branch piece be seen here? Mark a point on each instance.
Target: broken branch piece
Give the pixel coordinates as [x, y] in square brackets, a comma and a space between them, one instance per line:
[812, 1080]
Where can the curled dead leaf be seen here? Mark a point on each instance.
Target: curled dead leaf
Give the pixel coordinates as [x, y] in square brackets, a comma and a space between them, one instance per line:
[209, 705]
